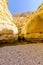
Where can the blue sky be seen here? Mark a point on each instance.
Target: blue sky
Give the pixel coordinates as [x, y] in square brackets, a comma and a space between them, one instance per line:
[20, 6]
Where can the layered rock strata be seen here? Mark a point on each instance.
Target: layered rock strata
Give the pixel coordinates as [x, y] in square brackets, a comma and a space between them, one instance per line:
[8, 29]
[20, 20]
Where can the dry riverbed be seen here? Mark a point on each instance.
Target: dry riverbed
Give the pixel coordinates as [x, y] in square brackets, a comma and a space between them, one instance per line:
[24, 53]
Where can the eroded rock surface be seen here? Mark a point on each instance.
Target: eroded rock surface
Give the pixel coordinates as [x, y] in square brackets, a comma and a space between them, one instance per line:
[6, 20]
[20, 20]
[33, 29]
[30, 25]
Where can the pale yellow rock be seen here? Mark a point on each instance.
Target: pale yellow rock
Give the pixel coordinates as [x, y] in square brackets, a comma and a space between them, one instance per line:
[20, 20]
[34, 27]
[6, 19]
[40, 8]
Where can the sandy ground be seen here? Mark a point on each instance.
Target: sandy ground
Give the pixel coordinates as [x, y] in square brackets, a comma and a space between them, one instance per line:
[28, 54]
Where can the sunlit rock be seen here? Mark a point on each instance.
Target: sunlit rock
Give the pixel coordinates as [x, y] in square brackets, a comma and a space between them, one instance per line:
[20, 20]
[33, 29]
[6, 21]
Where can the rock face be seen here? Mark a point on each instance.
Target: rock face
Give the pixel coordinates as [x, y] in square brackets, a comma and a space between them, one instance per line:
[6, 22]
[30, 25]
[26, 14]
[33, 29]
[20, 20]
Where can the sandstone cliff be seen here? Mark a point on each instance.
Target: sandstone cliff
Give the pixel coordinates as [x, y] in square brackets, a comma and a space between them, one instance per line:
[30, 24]
[6, 22]
[34, 27]
[20, 20]
[26, 14]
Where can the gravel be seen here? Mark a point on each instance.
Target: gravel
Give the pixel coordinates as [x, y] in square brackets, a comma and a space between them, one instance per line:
[28, 54]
